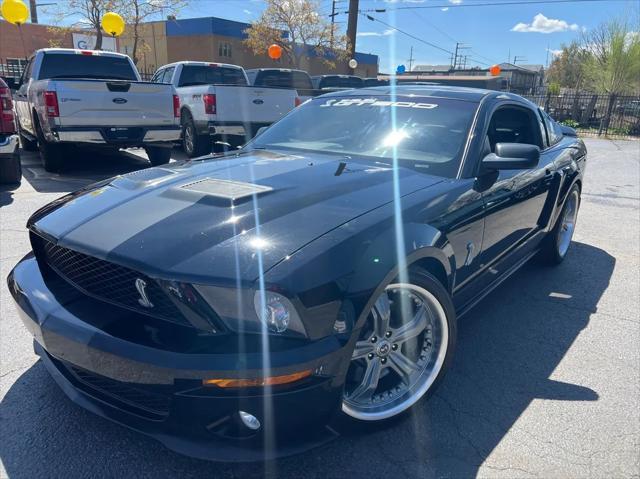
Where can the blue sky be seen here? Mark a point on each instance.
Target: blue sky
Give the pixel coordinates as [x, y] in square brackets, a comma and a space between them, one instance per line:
[493, 32]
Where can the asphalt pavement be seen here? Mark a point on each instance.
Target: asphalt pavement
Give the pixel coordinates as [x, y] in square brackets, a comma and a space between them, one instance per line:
[545, 382]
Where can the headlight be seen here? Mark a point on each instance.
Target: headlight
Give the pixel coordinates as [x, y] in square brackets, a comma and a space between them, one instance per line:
[277, 312]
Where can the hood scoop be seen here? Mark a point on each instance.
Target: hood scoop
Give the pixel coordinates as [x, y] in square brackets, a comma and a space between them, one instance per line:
[226, 189]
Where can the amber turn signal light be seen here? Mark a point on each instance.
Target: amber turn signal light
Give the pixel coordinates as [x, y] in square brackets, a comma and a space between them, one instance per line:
[257, 382]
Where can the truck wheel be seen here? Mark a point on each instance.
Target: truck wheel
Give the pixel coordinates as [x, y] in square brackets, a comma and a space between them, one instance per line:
[158, 155]
[50, 153]
[11, 169]
[192, 143]
[26, 143]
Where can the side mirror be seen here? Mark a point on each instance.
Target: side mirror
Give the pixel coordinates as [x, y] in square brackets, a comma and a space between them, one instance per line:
[512, 156]
[568, 131]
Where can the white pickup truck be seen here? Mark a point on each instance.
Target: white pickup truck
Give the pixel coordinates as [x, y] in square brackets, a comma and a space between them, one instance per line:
[217, 102]
[96, 99]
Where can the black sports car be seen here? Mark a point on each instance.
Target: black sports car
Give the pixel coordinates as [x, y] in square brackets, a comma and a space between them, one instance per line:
[238, 307]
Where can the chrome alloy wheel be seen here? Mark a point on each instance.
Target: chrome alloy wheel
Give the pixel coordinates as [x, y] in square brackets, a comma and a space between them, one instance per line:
[398, 355]
[568, 223]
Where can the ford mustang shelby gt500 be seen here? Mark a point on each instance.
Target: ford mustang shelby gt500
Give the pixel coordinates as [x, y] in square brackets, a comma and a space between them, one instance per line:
[237, 306]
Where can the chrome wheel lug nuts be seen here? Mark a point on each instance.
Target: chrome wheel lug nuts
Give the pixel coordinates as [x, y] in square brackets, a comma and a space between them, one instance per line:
[373, 339]
[394, 346]
[388, 334]
[370, 355]
[383, 360]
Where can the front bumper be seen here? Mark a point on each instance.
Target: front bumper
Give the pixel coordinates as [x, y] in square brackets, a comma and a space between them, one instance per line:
[8, 146]
[160, 393]
[122, 136]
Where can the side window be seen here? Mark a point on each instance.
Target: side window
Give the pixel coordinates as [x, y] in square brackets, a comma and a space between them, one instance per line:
[553, 129]
[168, 74]
[513, 124]
[157, 76]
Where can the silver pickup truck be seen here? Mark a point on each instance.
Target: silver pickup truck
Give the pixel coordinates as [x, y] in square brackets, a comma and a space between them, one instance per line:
[96, 99]
[218, 103]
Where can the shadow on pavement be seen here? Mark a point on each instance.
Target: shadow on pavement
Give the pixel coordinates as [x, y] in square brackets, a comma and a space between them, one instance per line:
[82, 167]
[508, 348]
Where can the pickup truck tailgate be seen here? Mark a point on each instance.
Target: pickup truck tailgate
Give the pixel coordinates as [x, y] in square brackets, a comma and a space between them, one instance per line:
[253, 104]
[114, 103]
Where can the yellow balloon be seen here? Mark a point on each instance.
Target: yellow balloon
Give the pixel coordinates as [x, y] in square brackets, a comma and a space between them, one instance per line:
[113, 24]
[14, 11]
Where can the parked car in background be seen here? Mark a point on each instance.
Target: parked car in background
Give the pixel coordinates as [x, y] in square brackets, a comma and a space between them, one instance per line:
[337, 82]
[96, 99]
[218, 103]
[374, 82]
[298, 80]
[10, 167]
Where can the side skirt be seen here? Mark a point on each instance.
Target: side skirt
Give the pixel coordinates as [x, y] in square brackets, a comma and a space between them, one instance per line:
[467, 307]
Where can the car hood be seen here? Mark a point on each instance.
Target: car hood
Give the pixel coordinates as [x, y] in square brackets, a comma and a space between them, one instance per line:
[172, 222]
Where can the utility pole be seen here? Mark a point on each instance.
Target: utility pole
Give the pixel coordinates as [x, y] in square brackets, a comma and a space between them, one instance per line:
[459, 47]
[519, 58]
[410, 60]
[34, 11]
[333, 20]
[352, 28]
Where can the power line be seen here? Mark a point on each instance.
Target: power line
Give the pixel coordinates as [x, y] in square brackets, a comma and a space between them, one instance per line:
[486, 4]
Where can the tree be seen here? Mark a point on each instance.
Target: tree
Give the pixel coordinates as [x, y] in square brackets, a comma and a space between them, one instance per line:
[90, 14]
[567, 68]
[136, 12]
[297, 26]
[613, 62]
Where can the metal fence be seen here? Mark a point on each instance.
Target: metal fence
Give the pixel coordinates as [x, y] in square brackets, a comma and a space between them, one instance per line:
[616, 116]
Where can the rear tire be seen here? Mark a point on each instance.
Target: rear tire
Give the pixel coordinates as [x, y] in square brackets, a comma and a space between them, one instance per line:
[158, 155]
[50, 153]
[193, 144]
[557, 243]
[409, 355]
[11, 169]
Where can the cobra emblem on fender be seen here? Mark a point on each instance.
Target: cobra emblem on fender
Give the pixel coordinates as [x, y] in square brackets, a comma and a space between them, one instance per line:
[141, 286]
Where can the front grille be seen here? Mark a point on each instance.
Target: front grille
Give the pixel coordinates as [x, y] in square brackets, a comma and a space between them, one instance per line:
[149, 403]
[110, 282]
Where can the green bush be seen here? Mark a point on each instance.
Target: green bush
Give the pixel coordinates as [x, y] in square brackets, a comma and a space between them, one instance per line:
[571, 123]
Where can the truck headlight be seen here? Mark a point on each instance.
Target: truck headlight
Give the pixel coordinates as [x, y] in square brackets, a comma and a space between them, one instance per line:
[277, 312]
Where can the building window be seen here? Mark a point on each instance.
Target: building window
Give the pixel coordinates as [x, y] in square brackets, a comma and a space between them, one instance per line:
[224, 49]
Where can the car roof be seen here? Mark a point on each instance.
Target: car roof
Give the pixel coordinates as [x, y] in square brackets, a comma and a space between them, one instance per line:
[440, 91]
[191, 62]
[275, 69]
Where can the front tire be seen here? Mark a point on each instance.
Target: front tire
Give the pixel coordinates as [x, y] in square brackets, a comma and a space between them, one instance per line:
[402, 351]
[556, 245]
[158, 155]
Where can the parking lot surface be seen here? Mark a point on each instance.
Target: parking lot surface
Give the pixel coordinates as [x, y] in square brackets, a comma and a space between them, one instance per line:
[545, 382]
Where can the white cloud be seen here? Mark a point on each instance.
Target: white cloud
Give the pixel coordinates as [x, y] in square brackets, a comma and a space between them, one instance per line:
[386, 33]
[455, 2]
[553, 52]
[542, 24]
[445, 9]
[248, 12]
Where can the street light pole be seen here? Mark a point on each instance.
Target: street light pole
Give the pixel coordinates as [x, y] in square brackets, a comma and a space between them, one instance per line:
[352, 28]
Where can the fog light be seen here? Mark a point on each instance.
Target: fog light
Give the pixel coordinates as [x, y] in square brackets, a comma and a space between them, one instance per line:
[249, 420]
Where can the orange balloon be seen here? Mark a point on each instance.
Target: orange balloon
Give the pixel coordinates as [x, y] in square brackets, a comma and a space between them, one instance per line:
[274, 51]
[495, 70]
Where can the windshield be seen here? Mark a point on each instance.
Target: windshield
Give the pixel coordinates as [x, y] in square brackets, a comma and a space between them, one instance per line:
[105, 67]
[284, 79]
[426, 133]
[211, 75]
